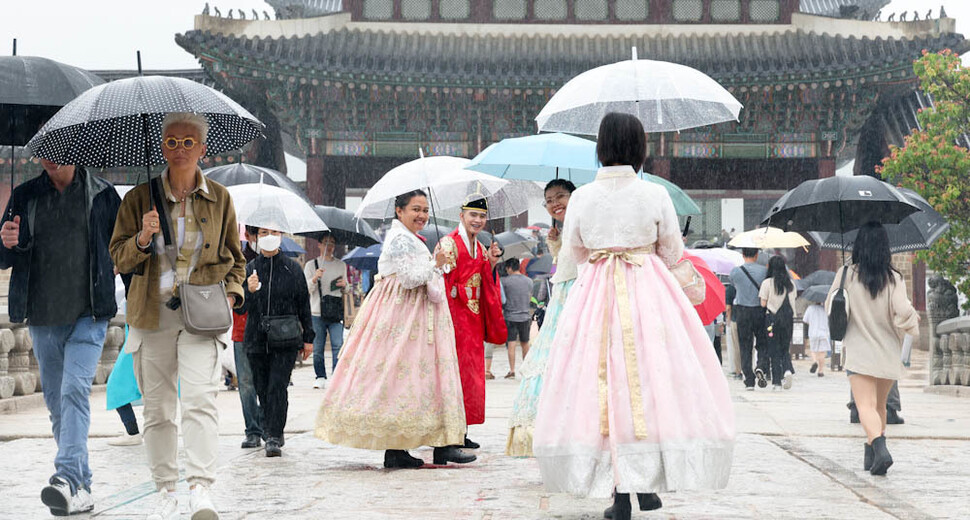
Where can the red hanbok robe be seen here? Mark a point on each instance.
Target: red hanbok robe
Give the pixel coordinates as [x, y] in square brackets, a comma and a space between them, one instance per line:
[475, 301]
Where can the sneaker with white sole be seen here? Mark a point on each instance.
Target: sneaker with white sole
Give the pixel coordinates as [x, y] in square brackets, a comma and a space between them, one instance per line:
[787, 380]
[320, 382]
[126, 440]
[201, 504]
[166, 506]
[58, 498]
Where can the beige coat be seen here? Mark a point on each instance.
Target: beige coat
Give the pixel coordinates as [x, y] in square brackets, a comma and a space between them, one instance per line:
[873, 339]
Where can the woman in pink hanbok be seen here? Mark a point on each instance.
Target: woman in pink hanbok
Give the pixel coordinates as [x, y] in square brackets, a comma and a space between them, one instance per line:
[397, 385]
[634, 399]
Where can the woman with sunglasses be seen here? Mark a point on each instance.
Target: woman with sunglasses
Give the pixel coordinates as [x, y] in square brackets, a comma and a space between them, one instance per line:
[523, 416]
[196, 217]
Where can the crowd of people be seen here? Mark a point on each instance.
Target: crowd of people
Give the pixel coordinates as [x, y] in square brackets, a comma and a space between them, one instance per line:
[620, 393]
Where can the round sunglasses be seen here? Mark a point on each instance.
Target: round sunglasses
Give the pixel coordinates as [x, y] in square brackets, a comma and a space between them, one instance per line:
[172, 143]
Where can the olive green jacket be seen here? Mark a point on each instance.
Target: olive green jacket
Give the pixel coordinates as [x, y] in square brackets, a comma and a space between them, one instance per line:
[220, 259]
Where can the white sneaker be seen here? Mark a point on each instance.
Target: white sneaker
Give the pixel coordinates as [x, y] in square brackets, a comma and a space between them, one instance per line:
[201, 504]
[166, 508]
[126, 440]
[787, 380]
[58, 498]
[82, 502]
[320, 382]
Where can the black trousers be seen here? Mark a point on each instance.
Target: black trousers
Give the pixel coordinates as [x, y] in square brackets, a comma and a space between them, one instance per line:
[271, 377]
[751, 334]
[779, 345]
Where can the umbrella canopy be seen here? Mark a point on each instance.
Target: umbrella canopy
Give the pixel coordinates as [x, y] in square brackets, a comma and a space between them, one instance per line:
[345, 227]
[768, 238]
[434, 234]
[363, 258]
[449, 184]
[683, 204]
[816, 293]
[514, 245]
[540, 265]
[32, 90]
[714, 303]
[120, 123]
[540, 157]
[289, 247]
[718, 259]
[664, 96]
[272, 207]
[915, 232]
[820, 277]
[242, 173]
[839, 204]
[541, 225]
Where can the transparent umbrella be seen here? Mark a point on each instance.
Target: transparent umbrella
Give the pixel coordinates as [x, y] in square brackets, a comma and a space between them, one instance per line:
[275, 208]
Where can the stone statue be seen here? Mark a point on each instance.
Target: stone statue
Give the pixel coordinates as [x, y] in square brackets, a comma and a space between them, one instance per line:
[942, 304]
[902, 17]
[205, 10]
[242, 14]
[892, 17]
[218, 13]
[878, 17]
[929, 14]
[230, 15]
[7, 382]
[265, 15]
[942, 12]
[255, 15]
[915, 15]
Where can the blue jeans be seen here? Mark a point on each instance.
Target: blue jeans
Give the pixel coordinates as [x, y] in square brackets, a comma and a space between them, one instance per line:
[252, 413]
[68, 357]
[320, 329]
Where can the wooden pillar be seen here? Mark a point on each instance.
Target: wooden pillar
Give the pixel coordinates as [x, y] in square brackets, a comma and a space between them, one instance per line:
[828, 259]
[315, 191]
[919, 285]
[661, 167]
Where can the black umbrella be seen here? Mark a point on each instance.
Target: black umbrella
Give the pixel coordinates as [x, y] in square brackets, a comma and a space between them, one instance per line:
[816, 293]
[120, 123]
[515, 245]
[435, 233]
[820, 277]
[345, 227]
[915, 232]
[839, 204]
[32, 90]
[541, 265]
[242, 173]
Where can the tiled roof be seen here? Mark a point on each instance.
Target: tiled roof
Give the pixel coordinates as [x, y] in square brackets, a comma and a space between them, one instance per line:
[865, 9]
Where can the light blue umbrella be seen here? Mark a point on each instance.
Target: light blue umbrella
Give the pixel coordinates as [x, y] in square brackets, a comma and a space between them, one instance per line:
[542, 157]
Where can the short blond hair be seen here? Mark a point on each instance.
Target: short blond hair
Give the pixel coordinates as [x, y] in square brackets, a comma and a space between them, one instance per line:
[189, 118]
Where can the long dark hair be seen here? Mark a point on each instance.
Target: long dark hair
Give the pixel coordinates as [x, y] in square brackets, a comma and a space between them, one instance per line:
[402, 200]
[872, 258]
[621, 140]
[778, 272]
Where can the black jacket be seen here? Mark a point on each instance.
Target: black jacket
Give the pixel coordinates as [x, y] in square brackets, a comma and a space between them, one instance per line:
[290, 296]
[102, 207]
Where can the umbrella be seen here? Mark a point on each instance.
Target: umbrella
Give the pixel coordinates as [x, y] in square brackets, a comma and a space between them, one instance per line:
[32, 90]
[514, 245]
[665, 97]
[434, 233]
[120, 123]
[540, 225]
[683, 204]
[345, 227]
[540, 157]
[289, 247]
[816, 293]
[714, 303]
[917, 231]
[839, 204]
[363, 258]
[768, 238]
[242, 173]
[820, 277]
[274, 208]
[718, 259]
[448, 184]
[540, 265]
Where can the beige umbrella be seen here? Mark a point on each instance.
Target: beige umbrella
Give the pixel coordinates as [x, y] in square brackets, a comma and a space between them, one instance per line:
[768, 238]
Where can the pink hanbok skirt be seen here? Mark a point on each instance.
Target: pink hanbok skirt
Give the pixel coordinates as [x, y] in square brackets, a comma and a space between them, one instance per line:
[397, 384]
[649, 414]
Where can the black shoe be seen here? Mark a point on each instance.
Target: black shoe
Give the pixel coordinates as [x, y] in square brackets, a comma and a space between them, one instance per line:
[401, 459]
[252, 441]
[273, 447]
[814, 368]
[472, 445]
[445, 454]
[853, 415]
[760, 375]
[622, 509]
[608, 513]
[881, 459]
[892, 417]
[867, 457]
[649, 501]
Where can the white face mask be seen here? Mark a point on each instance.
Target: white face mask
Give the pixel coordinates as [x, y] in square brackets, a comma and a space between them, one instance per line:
[270, 243]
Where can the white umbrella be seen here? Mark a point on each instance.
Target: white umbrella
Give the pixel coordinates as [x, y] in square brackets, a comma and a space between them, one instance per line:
[768, 238]
[665, 97]
[449, 184]
[272, 207]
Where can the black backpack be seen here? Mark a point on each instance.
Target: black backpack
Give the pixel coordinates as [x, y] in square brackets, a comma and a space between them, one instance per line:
[839, 311]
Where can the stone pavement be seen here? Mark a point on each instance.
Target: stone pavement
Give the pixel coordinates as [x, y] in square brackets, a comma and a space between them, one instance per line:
[796, 457]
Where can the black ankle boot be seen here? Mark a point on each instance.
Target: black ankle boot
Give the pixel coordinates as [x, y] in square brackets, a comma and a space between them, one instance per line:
[445, 454]
[881, 459]
[273, 447]
[470, 444]
[401, 459]
[622, 510]
[867, 458]
[649, 501]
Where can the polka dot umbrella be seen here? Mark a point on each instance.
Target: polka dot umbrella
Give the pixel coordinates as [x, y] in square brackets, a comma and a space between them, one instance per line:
[120, 123]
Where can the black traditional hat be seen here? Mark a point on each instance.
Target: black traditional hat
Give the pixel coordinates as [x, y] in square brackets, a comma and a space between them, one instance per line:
[475, 201]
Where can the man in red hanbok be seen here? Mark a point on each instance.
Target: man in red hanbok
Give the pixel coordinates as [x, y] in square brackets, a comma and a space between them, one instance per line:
[475, 302]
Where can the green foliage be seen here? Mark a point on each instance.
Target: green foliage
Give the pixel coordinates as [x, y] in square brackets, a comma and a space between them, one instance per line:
[932, 164]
